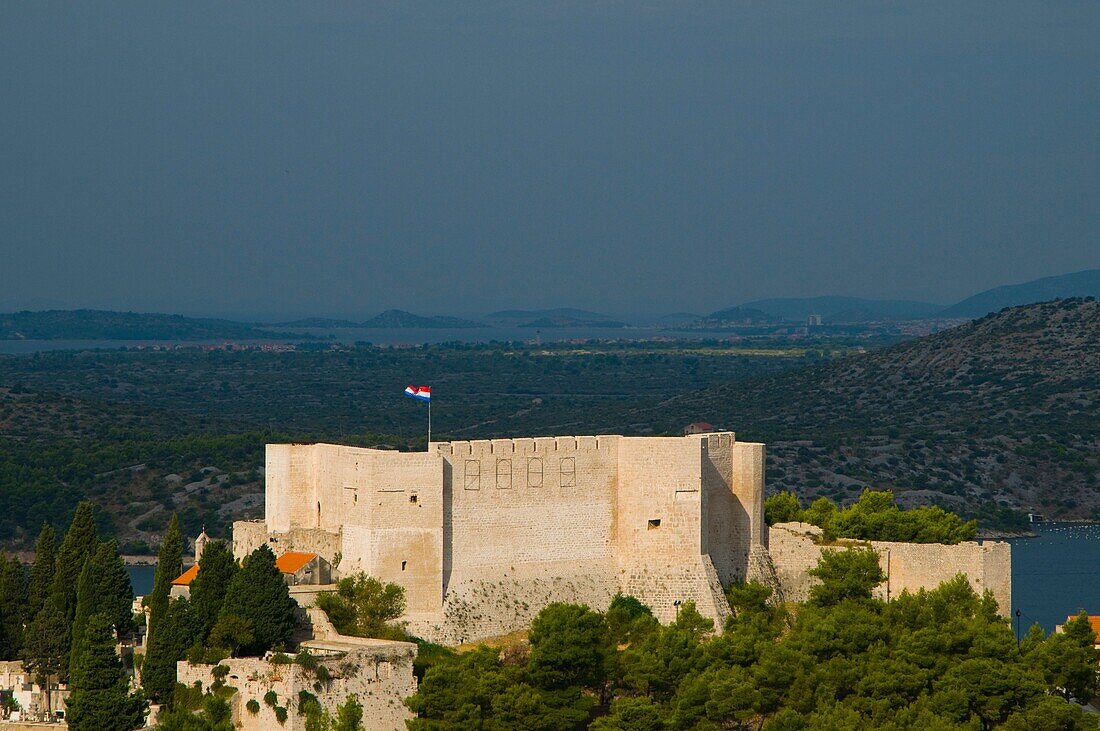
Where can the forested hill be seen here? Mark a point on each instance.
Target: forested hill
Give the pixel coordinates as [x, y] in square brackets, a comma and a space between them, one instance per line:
[107, 325]
[999, 411]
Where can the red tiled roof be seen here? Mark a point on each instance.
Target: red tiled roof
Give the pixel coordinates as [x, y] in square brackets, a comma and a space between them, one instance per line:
[1094, 622]
[291, 561]
[186, 577]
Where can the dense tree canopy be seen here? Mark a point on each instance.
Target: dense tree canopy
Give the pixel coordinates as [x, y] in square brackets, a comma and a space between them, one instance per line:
[166, 646]
[13, 610]
[216, 571]
[41, 578]
[259, 595]
[79, 544]
[874, 517]
[101, 698]
[104, 588]
[169, 566]
[939, 659]
[363, 606]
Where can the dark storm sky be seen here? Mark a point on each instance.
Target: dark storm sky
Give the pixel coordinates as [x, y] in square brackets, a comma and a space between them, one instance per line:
[292, 158]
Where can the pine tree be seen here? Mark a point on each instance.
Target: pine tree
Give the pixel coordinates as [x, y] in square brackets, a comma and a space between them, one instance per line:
[216, 570]
[259, 594]
[166, 647]
[169, 566]
[38, 589]
[13, 595]
[104, 587]
[101, 698]
[80, 542]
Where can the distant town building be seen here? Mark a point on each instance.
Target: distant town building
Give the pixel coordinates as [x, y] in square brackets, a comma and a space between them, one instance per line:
[299, 568]
[813, 321]
[698, 427]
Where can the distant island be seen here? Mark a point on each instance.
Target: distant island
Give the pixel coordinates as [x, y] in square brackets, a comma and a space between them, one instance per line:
[395, 319]
[108, 325]
[554, 318]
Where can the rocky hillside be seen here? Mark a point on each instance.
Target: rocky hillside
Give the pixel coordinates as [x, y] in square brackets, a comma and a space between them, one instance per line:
[1001, 412]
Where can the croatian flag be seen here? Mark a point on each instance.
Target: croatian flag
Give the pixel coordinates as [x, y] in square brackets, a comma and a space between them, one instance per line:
[424, 393]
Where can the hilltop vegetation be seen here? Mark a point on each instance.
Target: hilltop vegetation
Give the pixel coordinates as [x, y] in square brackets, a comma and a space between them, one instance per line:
[994, 414]
[984, 420]
[874, 517]
[145, 433]
[940, 659]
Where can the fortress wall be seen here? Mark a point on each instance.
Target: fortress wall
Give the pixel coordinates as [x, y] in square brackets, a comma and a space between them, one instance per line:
[998, 573]
[521, 501]
[726, 529]
[658, 503]
[913, 566]
[487, 602]
[659, 585]
[388, 509]
[289, 486]
[381, 676]
[660, 537]
[908, 566]
[748, 486]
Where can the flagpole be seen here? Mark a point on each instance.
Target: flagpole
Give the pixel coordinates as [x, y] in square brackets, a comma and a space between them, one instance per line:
[429, 425]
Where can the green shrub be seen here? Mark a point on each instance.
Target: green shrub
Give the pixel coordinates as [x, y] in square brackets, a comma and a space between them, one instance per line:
[253, 706]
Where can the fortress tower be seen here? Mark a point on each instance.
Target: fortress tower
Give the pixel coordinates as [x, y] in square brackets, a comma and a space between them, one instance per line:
[483, 534]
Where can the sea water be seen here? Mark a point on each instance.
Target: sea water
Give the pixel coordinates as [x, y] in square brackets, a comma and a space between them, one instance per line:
[1055, 574]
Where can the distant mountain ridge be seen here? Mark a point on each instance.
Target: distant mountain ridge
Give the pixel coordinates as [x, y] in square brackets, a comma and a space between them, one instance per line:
[1076, 284]
[843, 309]
[109, 325]
[736, 316]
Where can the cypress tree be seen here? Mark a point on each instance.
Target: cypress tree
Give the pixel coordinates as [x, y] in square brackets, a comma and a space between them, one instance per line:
[167, 646]
[104, 588]
[100, 698]
[45, 646]
[169, 566]
[13, 595]
[79, 543]
[259, 594]
[216, 570]
[38, 590]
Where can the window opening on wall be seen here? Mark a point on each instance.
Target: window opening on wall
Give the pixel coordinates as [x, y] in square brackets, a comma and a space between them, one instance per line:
[504, 474]
[534, 472]
[654, 523]
[404, 564]
[412, 499]
[473, 474]
[568, 471]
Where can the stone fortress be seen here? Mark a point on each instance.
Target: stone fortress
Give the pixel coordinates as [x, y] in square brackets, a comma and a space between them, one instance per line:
[483, 534]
